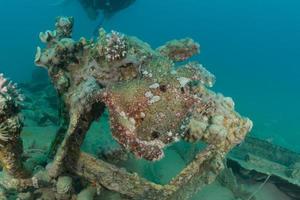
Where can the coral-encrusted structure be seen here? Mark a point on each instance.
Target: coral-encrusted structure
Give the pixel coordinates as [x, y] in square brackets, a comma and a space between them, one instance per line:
[152, 103]
[179, 50]
[148, 113]
[11, 147]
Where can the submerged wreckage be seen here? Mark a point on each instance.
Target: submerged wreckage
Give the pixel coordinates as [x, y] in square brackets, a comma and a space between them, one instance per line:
[152, 102]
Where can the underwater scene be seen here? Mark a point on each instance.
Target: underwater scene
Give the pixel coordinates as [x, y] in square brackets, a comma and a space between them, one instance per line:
[149, 100]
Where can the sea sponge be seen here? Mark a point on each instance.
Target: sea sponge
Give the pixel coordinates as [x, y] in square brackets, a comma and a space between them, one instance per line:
[64, 185]
[215, 121]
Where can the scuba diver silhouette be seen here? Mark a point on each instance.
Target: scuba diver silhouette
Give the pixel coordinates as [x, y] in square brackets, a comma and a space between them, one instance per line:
[108, 7]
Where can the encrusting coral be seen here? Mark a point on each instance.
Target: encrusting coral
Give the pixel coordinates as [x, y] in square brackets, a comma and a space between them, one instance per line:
[11, 147]
[152, 102]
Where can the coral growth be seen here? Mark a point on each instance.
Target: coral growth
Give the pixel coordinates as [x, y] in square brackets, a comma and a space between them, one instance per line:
[179, 50]
[152, 102]
[10, 129]
[10, 91]
[115, 47]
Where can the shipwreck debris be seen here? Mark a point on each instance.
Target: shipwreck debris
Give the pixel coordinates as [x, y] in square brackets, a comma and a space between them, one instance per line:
[152, 103]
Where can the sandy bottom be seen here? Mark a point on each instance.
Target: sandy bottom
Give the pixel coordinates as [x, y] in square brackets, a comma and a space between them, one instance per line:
[217, 192]
[160, 172]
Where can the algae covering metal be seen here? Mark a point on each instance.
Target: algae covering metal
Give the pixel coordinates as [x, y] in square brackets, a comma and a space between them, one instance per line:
[260, 159]
[11, 147]
[153, 102]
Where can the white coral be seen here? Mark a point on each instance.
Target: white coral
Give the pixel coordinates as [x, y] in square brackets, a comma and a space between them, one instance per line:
[115, 46]
[9, 90]
[3, 88]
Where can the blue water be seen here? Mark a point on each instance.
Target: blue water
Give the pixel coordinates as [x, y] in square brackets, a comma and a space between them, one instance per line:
[253, 48]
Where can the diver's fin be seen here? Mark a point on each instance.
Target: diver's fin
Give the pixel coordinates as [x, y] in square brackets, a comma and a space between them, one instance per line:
[100, 24]
[108, 14]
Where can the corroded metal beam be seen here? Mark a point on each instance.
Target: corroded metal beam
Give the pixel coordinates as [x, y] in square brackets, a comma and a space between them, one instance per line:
[200, 172]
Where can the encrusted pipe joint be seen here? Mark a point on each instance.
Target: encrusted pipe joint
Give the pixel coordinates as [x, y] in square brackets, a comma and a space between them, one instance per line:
[11, 147]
